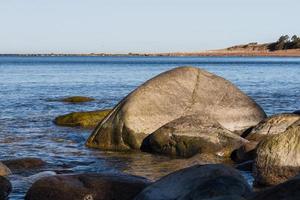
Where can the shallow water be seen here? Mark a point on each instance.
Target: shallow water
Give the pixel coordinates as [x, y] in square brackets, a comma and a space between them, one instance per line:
[26, 114]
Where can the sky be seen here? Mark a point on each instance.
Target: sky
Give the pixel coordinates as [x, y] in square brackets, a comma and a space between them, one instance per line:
[123, 26]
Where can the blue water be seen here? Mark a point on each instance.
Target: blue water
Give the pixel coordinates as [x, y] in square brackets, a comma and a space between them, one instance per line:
[26, 114]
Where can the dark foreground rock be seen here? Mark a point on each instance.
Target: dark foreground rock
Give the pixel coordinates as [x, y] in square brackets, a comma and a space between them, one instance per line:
[190, 135]
[87, 187]
[88, 119]
[77, 99]
[198, 182]
[278, 157]
[24, 163]
[4, 170]
[289, 190]
[5, 188]
[176, 93]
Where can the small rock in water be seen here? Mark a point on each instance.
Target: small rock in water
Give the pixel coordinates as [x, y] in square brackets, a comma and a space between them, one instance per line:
[77, 99]
[5, 188]
[21, 164]
[87, 187]
[88, 119]
[4, 170]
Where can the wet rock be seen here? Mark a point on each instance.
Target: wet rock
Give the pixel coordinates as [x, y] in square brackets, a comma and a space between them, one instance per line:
[245, 166]
[271, 126]
[87, 187]
[297, 112]
[4, 170]
[88, 119]
[289, 190]
[245, 153]
[5, 188]
[190, 135]
[198, 182]
[77, 99]
[24, 163]
[176, 93]
[278, 157]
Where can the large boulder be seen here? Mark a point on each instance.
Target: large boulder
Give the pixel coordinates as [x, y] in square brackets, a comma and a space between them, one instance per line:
[4, 170]
[87, 119]
[198, 182]
[87, 187]
[5, 188]
[289, 190]
[278, 157]
[173, 94]
[190, 135]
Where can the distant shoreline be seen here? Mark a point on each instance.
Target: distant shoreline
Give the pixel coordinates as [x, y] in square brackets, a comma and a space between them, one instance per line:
[236, 51]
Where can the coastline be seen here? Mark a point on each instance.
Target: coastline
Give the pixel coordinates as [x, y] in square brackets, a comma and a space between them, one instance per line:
[210, 53]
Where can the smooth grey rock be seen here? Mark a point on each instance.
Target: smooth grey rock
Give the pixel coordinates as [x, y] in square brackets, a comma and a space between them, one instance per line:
[198, 182]
[190, 135]
[173, 94]
[271, 126]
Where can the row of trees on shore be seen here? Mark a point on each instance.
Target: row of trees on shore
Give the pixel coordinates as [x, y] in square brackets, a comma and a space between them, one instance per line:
[285, 42]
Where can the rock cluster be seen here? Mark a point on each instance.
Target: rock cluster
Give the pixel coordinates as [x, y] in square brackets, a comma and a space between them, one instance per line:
[167, 109]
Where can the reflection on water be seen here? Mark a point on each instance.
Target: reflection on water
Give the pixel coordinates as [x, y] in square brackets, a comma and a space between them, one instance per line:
[27, 84]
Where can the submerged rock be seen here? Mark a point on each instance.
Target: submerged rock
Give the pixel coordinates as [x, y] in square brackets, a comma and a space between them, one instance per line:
[77, 99]
[88, 119]
[176, 93]
[87, 187]
[278, 157]
[5, 188]
[198, 182]
[190, 135]
[24, 163]
[4, 170]
[289, 190]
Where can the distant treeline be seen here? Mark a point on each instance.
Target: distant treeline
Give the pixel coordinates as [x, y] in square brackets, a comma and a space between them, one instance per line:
[285, 42]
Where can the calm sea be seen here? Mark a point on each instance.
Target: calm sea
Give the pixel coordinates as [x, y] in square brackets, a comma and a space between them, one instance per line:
[28, 83]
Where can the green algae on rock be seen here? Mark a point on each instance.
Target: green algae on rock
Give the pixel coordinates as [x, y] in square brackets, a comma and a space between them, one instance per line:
[278, 157]
[77, 99]
[88, 119]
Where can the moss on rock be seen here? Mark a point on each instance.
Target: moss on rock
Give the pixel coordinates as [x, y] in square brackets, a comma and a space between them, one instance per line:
[88, 119]
[77, 99]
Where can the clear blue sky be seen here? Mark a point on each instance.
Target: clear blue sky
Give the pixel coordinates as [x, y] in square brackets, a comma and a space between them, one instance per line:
[121, 26]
